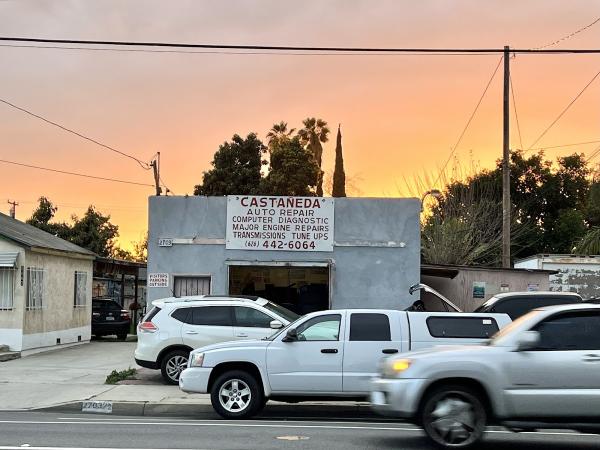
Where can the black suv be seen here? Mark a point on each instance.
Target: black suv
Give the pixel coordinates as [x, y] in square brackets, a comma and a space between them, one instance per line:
[516, 304]
[108, 317]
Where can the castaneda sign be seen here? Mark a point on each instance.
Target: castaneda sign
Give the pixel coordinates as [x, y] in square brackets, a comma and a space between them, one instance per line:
[280, 223]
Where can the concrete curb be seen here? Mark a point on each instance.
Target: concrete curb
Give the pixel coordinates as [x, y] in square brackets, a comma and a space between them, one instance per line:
[205, 410]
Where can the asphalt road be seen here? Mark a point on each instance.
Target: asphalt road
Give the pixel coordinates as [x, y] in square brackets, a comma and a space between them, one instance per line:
[61, 431]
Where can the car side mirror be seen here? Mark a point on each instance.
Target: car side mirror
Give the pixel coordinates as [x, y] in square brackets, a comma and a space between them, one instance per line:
[528, 340]
[291, 335]
[275, 324]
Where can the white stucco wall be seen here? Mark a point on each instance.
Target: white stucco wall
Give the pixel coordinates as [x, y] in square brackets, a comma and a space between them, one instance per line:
[58, 319]
[21, 329]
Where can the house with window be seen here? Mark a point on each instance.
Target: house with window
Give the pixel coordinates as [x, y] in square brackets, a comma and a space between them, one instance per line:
[45, 289]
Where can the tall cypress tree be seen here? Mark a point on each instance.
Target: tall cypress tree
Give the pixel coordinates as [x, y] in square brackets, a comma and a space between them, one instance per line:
[339, 176]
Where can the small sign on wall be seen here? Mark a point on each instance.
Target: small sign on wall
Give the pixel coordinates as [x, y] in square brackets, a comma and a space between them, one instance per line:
[158, 280]
[533, 287]
[478, 289]
[165, 242]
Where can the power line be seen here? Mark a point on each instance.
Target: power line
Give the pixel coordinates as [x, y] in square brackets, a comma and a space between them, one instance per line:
[74, 173]
[226, 52]
[594, 154]
[564, 110]
[143, 164]
[468, 121]
[167, 190]
[569, 36]
[291, 48]
[512, 92]
[565, 145]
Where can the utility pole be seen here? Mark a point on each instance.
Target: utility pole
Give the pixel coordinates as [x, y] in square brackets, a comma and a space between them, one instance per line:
[156, 167]
[506, 164]
[13, 208]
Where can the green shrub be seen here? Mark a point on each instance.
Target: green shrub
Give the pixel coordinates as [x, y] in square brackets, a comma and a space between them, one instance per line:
[115, 376]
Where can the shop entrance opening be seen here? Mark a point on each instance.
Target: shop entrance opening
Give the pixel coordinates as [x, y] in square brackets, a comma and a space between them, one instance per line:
[300, 289]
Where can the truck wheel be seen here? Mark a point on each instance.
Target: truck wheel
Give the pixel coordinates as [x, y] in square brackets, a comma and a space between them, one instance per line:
[453, 416]
[236, 395]
[173, 364]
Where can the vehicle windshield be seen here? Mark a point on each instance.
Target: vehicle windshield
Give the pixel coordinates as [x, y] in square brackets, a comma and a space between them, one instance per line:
[499, 338]
[281, 311]
[281, 330]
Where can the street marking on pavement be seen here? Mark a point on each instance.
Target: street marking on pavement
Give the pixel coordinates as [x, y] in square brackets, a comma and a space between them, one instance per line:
[292, 438]
[77, 448]
[288, 421]
[276, 425]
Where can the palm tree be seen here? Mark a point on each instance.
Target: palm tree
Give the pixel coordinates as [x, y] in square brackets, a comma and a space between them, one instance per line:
[314, 133]
[589, 244]
[278, 132]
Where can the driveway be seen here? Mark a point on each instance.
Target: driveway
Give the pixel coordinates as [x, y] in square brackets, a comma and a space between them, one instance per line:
[63, 375]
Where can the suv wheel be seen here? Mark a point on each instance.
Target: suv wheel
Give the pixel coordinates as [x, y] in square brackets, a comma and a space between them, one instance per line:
[173, 364]
[453, 417]
[236, 395]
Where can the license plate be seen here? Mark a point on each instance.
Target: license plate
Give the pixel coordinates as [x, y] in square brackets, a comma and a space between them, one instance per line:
[110, 318]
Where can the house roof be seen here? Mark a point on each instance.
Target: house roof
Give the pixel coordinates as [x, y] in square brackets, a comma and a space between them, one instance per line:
[32, 237]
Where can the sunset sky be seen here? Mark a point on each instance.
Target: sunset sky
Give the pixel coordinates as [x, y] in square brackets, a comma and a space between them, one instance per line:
[400, 114]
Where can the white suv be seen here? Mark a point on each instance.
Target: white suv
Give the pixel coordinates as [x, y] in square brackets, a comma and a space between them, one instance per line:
[176, 326]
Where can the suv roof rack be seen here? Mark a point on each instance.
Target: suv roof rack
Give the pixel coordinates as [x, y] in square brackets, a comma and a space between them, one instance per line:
[229, 296]
[211, 297]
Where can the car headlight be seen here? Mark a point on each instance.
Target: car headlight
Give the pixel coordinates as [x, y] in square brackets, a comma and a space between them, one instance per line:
[395, 367]
[197, 359]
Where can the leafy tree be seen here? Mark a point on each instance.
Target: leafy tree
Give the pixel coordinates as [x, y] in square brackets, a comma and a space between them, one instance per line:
[592, 207]
[139, 252]
[43, 214]
[339, 176]
[314, 133]
[548, 211]
[568, 228]
[293, 170]
[94, 232]
[279, 132]
[236, 168]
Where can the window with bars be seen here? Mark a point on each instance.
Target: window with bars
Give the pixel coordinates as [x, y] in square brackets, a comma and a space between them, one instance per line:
[191, 285]
[80, 296]
[36, 289]
[7, 288]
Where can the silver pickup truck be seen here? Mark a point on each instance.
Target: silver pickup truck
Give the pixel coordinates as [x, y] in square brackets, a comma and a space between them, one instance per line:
[542, 371]
[326, 354]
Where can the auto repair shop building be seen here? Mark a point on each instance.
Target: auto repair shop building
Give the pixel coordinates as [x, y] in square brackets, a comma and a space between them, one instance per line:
[305, 253]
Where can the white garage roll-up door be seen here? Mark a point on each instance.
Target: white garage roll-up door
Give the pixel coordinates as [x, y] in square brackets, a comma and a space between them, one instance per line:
[191, 285]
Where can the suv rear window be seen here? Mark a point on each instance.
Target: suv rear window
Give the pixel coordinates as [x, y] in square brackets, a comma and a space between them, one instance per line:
[518, 306]
[213, 315]
[154, 311]
[462, 327]
[369, 327]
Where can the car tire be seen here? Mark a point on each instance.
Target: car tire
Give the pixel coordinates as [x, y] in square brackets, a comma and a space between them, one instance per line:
[173, 364]
[237, 395]
[453, 416]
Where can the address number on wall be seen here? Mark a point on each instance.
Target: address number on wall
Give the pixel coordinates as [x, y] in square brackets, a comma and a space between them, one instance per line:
[165, 242]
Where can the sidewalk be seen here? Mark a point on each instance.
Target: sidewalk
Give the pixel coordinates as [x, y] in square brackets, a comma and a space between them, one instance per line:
[61, 380]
